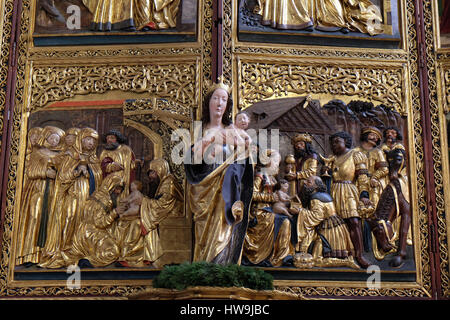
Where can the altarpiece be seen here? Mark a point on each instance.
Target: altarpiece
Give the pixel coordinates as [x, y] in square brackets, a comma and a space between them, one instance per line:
[138, 74]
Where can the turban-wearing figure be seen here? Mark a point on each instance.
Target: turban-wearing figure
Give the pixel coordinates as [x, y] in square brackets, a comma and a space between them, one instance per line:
[167, 200]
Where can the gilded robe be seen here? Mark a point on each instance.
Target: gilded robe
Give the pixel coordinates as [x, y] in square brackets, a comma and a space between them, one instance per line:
[355, 15]
[286, 14]
[27, 191]
[212, 191]
[94, 239]
[378, 170]
[329, 15]
[164, 13]
[37, 194]
[126, 14]
[364, 16]
[72, 190]
[168, 200]
[110, 15]
[269, 235]
[305, 168]
[138, 236]
[124, 156]
[325, 15]
[321, 221]
[349, 181]
[63, 181]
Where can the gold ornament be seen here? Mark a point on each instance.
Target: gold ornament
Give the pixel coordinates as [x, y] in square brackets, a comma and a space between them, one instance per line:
[302, 137]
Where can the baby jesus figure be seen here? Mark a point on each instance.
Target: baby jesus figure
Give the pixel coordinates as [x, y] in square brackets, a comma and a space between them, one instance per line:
[241, 124]
[283, 199]
[133, 202]
[234, 136]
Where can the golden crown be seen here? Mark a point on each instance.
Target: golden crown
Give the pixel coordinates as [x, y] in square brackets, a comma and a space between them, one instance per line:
[302, 137]
[220, 85]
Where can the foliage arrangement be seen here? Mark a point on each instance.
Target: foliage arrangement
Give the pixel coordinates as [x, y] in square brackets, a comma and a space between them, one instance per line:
[210, 274]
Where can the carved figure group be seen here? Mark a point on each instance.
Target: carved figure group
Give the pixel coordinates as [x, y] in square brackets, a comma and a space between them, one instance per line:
[132, 15]
[80, 208]
[363, 179]
[108, 15]
[325, 15]
[318, 221]
[77, 206]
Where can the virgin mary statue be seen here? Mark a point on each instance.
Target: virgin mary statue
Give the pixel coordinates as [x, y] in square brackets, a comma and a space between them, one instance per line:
[219, 192]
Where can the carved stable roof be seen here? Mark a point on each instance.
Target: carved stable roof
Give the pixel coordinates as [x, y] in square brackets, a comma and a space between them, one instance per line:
[290, 115]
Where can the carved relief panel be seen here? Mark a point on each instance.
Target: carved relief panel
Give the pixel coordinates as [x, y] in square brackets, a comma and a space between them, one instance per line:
[138, 79]
[295, 83]
[71, 101]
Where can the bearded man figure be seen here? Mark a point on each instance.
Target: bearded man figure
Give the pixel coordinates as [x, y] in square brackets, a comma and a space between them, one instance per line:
[319, 225]
[118, 159]
[392, 139]
[165, 198]
[303, 165]
[137, 231]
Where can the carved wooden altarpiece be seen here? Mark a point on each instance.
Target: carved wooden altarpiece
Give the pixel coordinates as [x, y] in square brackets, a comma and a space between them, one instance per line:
[147, 83]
